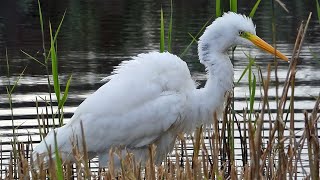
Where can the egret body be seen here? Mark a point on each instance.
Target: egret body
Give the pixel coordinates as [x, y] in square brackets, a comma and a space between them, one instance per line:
[152, 98]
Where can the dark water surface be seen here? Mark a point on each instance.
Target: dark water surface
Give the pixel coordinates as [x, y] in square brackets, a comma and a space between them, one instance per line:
[97, 35]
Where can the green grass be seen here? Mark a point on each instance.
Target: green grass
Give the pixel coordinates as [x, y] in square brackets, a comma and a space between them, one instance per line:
[254, 9]
[234, 5]
[58, 161]
[318, 9]
[218, 8]
[162, 30]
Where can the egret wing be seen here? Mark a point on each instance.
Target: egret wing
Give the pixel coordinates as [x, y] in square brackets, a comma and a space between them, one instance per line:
[144, 97]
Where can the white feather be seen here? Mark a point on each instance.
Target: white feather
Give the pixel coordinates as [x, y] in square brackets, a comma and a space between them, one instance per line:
[152, 98]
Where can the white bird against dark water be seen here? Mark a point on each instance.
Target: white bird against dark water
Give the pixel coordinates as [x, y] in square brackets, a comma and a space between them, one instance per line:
[152, 98]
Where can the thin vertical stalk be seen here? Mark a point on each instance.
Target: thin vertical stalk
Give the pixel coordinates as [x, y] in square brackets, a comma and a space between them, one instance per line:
[260, 121]
[170, 27]
[46, 62]
[234, 5]
[281, 154]
[161, 31]
[218, 8]
[292, 136]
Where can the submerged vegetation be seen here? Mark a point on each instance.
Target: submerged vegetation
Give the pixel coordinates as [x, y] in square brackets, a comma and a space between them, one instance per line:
[210, 152]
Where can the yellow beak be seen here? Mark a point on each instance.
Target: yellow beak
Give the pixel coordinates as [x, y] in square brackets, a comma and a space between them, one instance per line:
[264, 45]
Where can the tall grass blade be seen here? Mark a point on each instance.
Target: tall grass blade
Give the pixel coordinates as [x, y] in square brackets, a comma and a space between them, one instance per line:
[254, 9]
[54, 65]
[40, 16]
[243, 73]
[170, 29]
[314, 55]
[58, 29]
[85, 151]
[8, 67]
[253, 92]
[41, 25]
[45, 58]
[218, 8]
[161, 31]
[194, 37]
[234, 5]
[58, 160]
[282, 5]
[33, 58]
[65, 95]
[17, 81]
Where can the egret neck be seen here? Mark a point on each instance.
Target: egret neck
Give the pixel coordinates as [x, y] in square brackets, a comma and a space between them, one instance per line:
[219, 69]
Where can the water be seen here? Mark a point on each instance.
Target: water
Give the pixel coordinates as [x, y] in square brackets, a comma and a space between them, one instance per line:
[97, 35]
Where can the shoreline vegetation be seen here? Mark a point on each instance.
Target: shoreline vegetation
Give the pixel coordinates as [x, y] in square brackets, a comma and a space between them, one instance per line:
[272, 155]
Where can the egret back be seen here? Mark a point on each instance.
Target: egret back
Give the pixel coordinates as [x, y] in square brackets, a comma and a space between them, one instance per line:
[136, 81]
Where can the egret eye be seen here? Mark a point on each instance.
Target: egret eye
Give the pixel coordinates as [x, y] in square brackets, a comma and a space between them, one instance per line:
[241, 33]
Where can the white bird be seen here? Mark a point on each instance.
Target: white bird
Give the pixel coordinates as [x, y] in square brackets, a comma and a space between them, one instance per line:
[152, 98]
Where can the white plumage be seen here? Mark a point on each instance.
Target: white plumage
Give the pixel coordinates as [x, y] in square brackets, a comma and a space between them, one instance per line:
[152, 98]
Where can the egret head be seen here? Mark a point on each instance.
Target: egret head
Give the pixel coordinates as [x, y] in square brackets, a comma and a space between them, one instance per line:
[230, 30]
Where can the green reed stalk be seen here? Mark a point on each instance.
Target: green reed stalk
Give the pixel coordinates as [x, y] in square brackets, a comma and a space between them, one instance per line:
[254, 9]
[58, 161]
[218, 8]
[45, 60]
[9, 89]
[55, 74]
[234, 5]
[233, 8]
[54, 65]
[252, 84]
[194, 38]
[162, 31]
[85, 153]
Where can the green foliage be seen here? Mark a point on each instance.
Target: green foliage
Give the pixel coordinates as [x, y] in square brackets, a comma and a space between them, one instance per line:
[54, 61]
[194, 38]
[218, 8]
[169, 37]
[254, 9]
[58, 159]
[41, 19]
[65, 94]
[234, 5]
[252, 83]
[54, 66]
[54, 70]
[33, 58]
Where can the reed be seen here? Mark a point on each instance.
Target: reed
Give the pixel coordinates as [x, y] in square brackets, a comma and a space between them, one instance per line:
[318, 10]
[212, 155]
[162, 30]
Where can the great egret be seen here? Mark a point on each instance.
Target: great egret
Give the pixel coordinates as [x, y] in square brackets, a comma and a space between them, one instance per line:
[152, 98]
